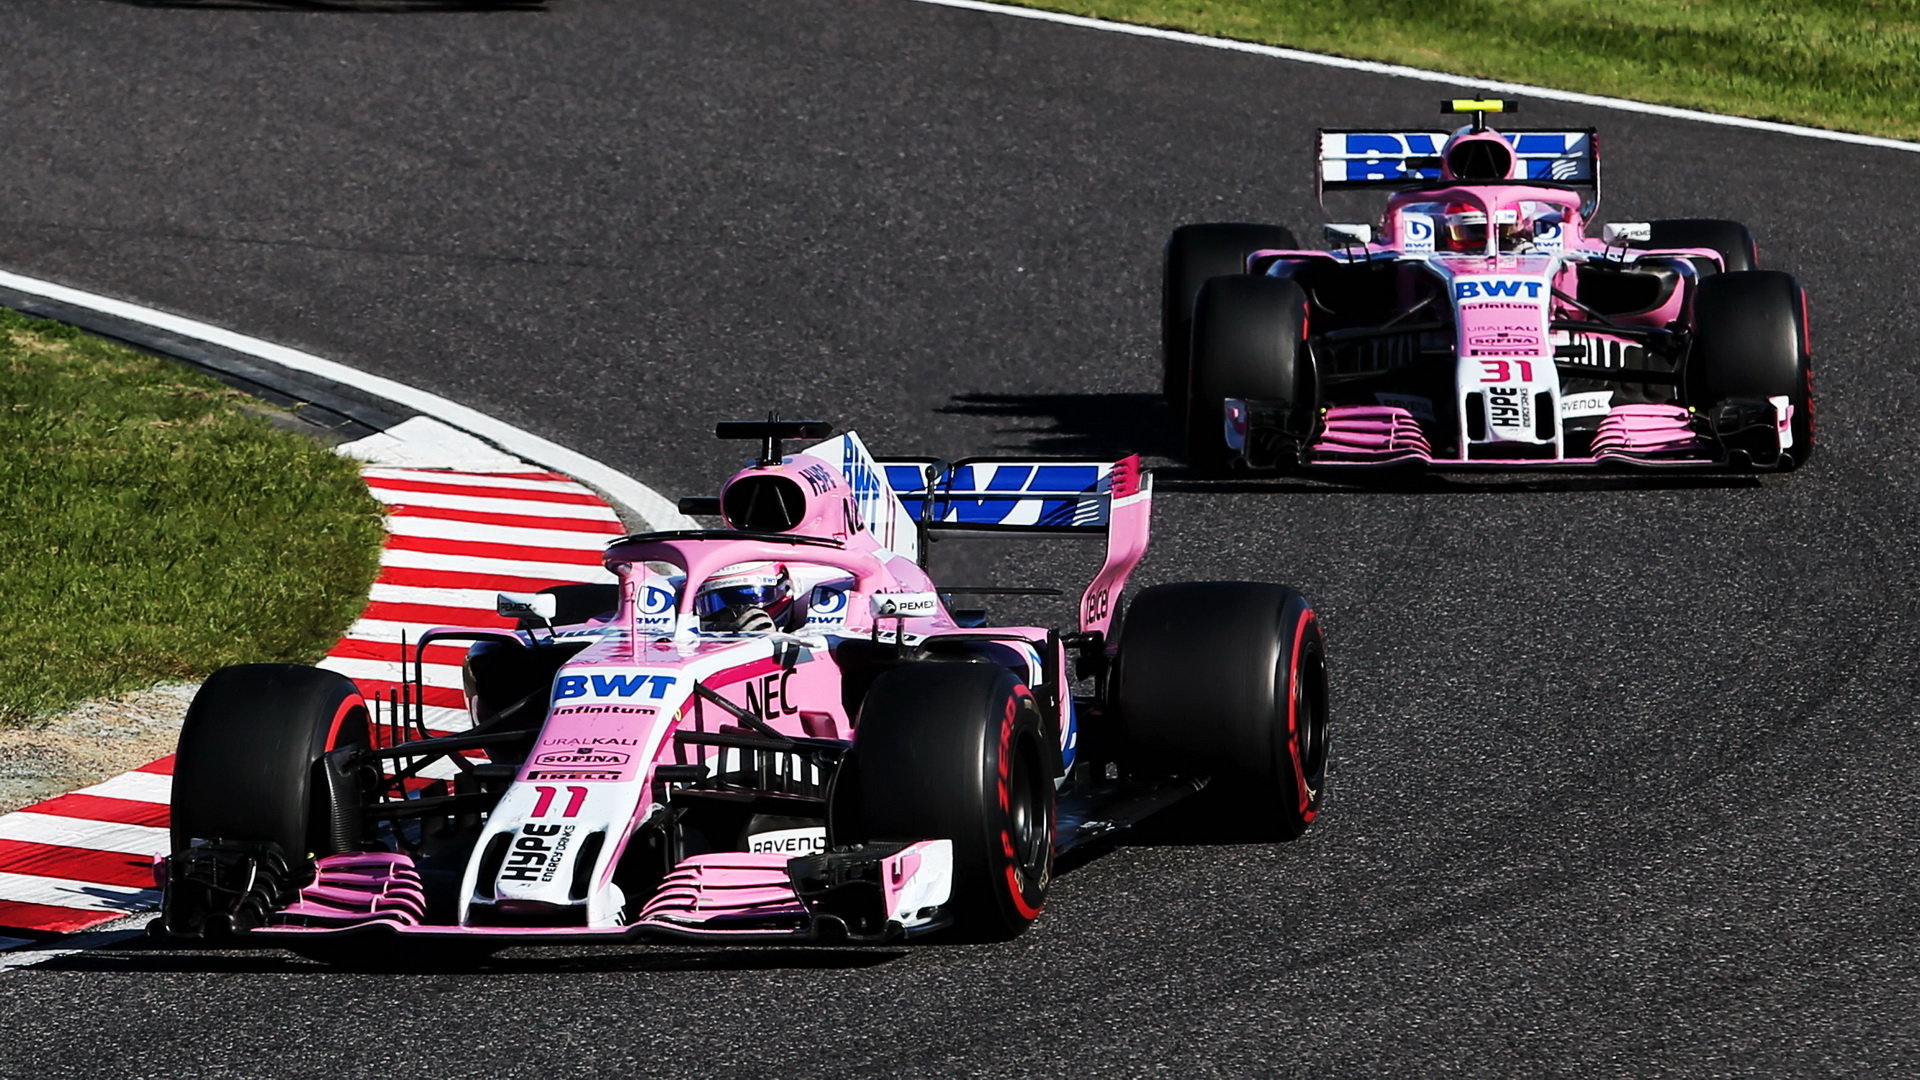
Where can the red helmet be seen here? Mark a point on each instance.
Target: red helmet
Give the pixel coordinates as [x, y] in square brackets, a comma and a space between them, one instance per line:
[1463, 228]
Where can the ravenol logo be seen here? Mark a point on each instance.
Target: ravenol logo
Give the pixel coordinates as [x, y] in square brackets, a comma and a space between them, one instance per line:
[572, 686]
[1496, 289]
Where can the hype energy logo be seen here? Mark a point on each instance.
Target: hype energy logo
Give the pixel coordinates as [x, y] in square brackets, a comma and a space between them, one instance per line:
[1480, 289]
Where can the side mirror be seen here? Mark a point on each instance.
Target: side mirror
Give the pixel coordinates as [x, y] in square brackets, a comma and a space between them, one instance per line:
[892, 605]
[1625, 232]
[542, 606]
[1345, 235]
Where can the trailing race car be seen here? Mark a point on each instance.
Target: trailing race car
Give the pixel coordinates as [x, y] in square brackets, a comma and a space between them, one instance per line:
[1477, 325]
[779, 730]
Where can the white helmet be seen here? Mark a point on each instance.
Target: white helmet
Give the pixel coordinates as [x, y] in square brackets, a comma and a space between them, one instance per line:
[746, 597]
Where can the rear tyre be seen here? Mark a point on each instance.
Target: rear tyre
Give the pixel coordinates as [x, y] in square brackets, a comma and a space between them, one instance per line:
[1730, 239]
[956, 751]
[1228, 680]
[249, 767]
[1195, 254]
[1750, 344]
[1248, 342]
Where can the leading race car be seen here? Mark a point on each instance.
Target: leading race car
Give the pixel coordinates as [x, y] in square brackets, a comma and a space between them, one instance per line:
[780, 730]
[1478, 325]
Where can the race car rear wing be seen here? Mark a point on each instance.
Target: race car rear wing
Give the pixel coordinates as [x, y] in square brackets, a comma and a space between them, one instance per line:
[1036, 497]
[1358, 159]
[1047, 495]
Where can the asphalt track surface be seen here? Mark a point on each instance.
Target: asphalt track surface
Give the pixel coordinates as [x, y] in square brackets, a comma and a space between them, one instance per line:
[1623, 770]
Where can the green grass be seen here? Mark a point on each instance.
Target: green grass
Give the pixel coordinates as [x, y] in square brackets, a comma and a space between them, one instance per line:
[1851, 65]
[156, 526]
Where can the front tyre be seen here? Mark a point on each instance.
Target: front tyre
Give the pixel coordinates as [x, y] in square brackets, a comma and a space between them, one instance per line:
[249, 766]
[1249, 342]
[1195, 254]
[1228, 680]
[956, 751]
[1749, 345]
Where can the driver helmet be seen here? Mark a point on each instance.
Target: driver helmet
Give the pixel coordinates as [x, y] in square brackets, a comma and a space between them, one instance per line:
[746, 597]
[1463, 228]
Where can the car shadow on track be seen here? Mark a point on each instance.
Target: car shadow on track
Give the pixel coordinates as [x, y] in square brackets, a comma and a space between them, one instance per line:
[1110, 425]
[1181, 479]
[146, 955]
[1077, 425]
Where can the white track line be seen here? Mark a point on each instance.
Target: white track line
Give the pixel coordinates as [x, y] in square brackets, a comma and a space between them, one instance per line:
[375, 473]
[82, 895]
[1372, 67]
[29, 827]
[134, 787]
[657, 510]
[442, 529]
[473, 564]
[481, 504]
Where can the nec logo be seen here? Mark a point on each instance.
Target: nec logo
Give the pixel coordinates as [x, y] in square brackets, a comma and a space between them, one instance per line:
[1494, 288]
[570, 686]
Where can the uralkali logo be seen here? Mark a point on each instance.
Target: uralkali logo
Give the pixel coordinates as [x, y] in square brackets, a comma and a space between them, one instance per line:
[581, 756]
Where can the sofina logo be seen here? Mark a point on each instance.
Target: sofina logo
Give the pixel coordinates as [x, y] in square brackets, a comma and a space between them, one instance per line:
[1496, 289]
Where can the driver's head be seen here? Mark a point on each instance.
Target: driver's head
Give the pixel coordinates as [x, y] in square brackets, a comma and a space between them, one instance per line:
[1463, 228]
[746, 597]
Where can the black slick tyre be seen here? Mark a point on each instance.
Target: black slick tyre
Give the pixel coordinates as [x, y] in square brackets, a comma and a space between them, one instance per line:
[1228, 680]
[1195, 254]
[1248, 342]
[1729, 239]
[1750, 344]
[248, 768]
[956, 751]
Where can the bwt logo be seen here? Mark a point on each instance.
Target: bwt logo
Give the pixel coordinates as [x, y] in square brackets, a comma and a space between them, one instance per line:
[656, 601]
[1494, 288]
[570, 686]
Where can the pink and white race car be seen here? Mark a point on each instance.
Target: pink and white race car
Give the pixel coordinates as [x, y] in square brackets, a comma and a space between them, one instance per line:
[778, 730]
[1477, 325]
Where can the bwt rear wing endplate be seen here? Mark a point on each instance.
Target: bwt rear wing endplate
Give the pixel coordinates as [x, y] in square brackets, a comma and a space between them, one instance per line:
[1036, 496]
[1351, 159]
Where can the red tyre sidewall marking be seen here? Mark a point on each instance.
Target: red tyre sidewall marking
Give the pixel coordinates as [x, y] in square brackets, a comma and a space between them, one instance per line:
[1806, 350]
[347, 706]
[1307, 813]
[1015, 890]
